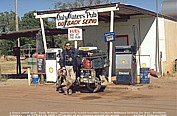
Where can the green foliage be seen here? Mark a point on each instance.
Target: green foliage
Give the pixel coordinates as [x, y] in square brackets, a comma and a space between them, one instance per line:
[79, 3]
[61, 40]
[28, 21]
[6, 47]
[7, 21]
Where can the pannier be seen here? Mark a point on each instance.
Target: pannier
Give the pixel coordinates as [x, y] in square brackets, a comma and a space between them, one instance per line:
[94, 59]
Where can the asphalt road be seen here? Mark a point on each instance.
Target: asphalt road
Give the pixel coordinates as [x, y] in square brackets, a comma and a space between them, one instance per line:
[156, 99]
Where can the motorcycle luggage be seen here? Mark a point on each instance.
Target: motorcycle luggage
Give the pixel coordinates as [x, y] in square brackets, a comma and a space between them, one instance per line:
[86, 63]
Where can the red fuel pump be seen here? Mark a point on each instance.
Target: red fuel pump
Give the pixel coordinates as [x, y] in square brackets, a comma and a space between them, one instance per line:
[41, 61]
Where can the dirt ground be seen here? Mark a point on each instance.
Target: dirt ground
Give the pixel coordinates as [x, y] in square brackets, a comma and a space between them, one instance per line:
[156, 99]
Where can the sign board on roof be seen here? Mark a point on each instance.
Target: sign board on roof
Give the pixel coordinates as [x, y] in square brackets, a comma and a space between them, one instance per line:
[77, 18]
[74, 34]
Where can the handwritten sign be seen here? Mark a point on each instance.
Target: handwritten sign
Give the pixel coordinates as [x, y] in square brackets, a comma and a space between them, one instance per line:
[74, 34]
[77, 18]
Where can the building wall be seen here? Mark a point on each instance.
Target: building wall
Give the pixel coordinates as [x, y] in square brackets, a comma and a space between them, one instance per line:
[171, 45]
[143, 29]
[95, 35]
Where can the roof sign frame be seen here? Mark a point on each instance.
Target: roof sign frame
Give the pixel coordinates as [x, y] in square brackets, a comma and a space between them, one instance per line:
[77, 18]
[54, 15]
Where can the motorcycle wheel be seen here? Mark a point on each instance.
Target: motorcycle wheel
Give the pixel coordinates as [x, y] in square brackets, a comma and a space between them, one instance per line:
[94, 87]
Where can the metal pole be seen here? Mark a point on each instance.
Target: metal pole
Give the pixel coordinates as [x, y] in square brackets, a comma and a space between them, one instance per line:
[16, 19]
[75, 44]
[18, 39]
[29, 76]
[111, 46]
[157, 39]
[43, 34]
[0, 71]
[29, 51]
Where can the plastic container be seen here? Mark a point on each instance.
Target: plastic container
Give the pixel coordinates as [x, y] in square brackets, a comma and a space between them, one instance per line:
[144, 76]
[35, 79]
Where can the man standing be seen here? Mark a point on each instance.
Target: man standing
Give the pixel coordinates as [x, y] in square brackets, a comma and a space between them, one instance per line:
[69, 62]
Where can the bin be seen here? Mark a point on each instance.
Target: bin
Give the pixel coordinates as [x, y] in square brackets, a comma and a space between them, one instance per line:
[144, 76]
[35, 79]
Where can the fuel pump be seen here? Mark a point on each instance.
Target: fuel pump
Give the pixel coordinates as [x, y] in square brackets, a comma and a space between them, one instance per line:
[41, 63]
[52, 64]
[126, 66]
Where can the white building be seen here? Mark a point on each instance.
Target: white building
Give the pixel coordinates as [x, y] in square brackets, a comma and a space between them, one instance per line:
[130, 23]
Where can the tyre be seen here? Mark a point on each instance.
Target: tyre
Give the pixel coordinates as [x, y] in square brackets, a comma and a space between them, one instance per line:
[94, 87]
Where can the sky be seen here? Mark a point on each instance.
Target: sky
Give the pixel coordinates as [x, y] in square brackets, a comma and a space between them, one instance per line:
[24, 6]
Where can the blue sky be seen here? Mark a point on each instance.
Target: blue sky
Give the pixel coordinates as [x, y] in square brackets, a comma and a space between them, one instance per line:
[24, 6]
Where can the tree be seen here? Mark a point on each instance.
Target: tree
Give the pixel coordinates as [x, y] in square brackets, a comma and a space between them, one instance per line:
[28, 21]
[6, 47]
[7, 23]
[79, 3]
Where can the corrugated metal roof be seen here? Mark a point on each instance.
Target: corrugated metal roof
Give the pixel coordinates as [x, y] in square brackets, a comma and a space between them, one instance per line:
[124, 12]
[30, 33]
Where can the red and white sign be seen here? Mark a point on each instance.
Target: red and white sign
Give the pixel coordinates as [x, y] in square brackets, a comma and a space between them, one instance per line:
[74, 34]
[77, 18]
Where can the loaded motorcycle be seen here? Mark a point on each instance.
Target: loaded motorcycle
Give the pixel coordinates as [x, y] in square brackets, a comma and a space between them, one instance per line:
[91, 72]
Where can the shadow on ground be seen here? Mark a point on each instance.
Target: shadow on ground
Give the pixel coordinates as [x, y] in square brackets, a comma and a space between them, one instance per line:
[14, 76]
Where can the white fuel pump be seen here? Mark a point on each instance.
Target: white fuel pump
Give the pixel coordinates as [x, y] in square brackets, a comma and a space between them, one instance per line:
[52, 64]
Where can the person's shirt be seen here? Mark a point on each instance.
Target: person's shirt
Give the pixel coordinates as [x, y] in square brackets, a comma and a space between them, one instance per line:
[69, 57]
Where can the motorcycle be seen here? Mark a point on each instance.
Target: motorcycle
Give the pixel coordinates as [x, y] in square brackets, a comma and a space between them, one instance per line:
[91, 71]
